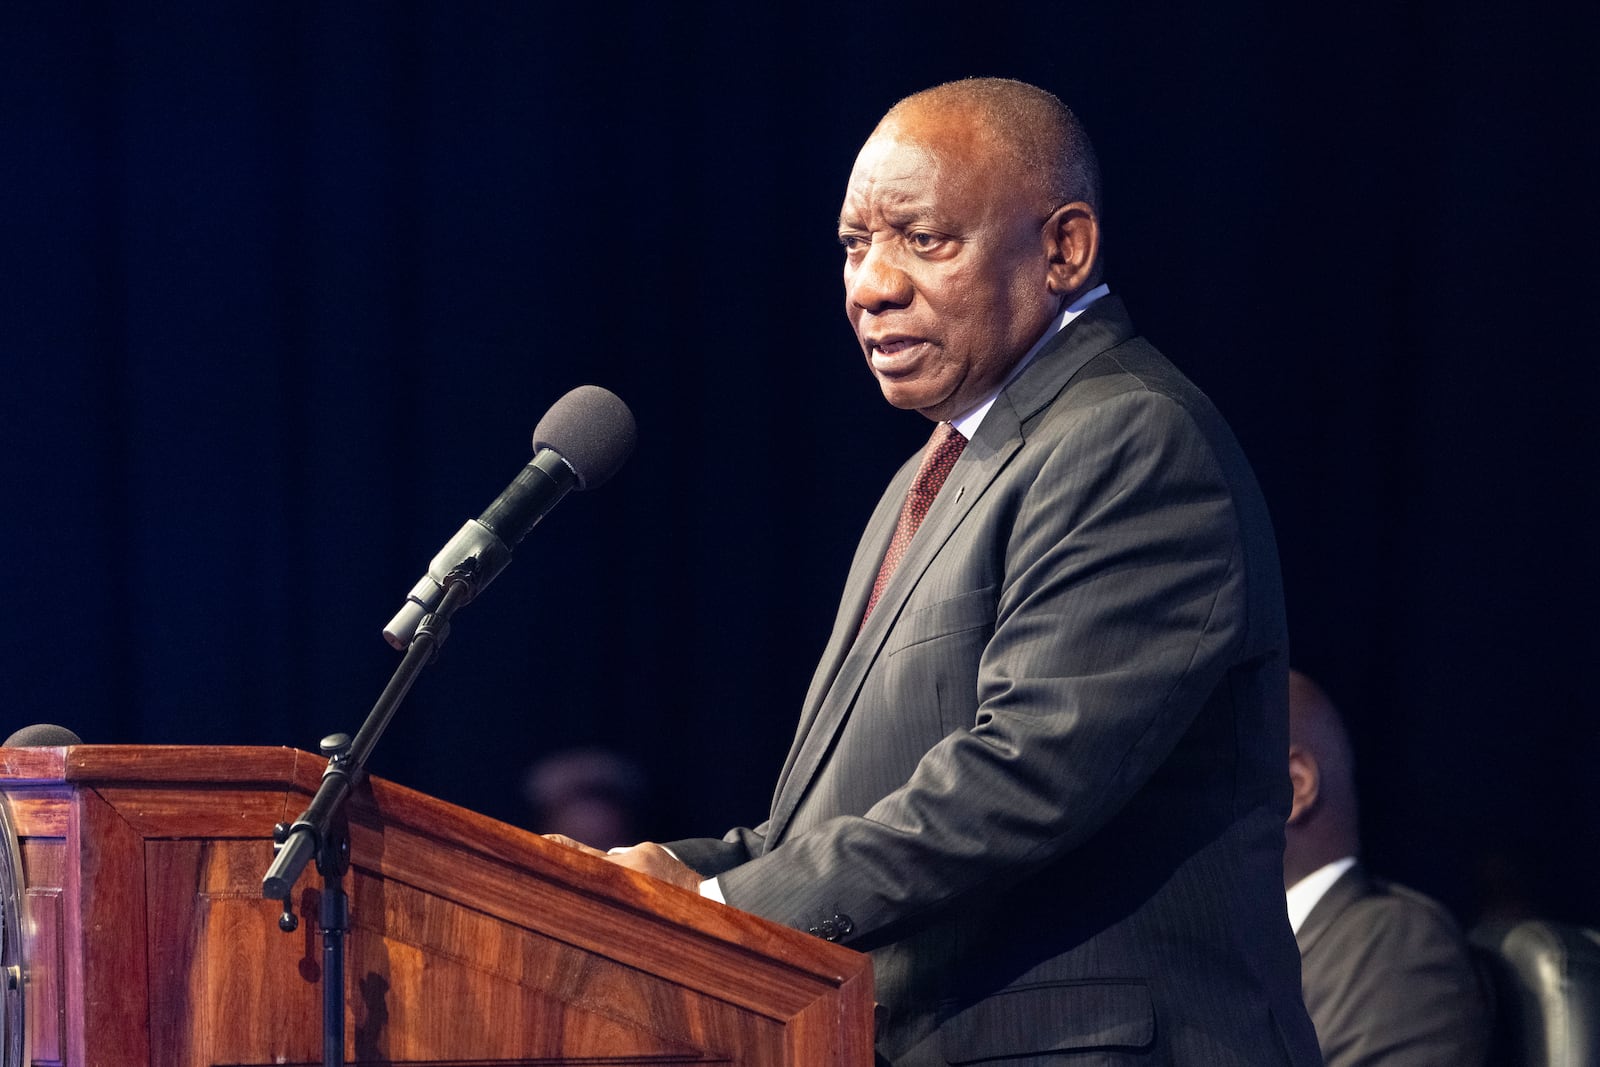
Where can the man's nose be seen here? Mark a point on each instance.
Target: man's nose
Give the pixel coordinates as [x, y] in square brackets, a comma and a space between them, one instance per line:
[876, 283]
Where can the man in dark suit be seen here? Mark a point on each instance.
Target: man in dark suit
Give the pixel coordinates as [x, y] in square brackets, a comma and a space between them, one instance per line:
[1387, 976]
[1038, 774]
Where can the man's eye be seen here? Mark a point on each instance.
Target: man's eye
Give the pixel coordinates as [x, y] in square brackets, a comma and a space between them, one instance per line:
[924, 241]
[849, 242]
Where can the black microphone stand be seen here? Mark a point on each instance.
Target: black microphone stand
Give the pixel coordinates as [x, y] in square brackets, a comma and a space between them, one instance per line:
[321, 831]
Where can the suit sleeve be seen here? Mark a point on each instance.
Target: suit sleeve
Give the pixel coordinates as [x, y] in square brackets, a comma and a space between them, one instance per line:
[710, 856]
[1120, 606]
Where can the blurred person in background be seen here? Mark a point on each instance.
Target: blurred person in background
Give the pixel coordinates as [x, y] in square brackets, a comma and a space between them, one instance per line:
[595, 795]
[1386, 973]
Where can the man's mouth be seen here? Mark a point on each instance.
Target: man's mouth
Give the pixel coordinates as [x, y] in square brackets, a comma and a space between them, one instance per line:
[895, 354]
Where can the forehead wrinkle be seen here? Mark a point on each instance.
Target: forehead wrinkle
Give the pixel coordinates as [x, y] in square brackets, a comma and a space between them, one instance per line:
[891, 201]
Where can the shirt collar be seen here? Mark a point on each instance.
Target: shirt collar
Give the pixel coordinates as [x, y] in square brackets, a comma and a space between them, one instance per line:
[1304, 894]
[967, 424]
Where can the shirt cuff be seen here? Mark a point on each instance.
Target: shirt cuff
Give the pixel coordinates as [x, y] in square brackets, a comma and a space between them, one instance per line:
[708, 888]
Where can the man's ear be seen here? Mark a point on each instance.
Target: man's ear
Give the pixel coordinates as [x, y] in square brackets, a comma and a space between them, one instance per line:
[1072, 245]
[1306, 780]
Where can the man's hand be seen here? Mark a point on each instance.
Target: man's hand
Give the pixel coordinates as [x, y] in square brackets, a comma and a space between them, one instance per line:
[646, 858]
[563, 839]
[650, 858]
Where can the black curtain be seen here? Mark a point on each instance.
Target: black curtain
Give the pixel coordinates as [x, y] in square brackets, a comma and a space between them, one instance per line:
[284, 288]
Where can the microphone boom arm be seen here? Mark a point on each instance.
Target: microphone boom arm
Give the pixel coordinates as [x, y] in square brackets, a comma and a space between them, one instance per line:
[319, 833]
[580, 443]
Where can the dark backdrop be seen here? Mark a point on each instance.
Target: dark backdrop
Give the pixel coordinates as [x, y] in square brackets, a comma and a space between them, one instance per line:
[284, 288]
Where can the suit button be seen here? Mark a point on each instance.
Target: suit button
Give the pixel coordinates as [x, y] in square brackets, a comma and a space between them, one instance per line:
[833, 929]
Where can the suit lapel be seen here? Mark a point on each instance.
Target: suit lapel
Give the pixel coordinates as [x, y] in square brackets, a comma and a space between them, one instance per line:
[850, 656]
[981, 462]
[973, 473]
[1348, 888]
[852, 604]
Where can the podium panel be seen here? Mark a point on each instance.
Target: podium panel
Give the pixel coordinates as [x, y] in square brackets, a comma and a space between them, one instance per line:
[145, 939]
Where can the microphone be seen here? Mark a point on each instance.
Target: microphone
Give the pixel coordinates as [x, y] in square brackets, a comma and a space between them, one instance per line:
[580, 443]
[42, 735]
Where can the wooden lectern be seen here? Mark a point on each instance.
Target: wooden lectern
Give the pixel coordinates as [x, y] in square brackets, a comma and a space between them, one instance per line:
[146, 941]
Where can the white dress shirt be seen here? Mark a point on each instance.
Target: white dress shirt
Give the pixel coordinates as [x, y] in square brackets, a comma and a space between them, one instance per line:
[1304, 894]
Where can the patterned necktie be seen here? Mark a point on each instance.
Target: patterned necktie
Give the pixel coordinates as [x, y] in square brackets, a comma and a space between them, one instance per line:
[944, 448]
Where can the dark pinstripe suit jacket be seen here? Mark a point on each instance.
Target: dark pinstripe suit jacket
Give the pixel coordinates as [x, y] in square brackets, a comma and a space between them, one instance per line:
[1045, 784]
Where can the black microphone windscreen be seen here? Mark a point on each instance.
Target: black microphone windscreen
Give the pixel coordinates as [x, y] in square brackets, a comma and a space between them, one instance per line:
[42, 735]
[593, 431]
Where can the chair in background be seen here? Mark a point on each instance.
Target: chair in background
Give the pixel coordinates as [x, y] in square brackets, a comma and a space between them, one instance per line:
[1547, 985]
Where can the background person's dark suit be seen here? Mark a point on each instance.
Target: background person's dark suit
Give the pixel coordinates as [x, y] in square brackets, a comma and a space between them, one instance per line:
[1389, 980]
[1044, 785]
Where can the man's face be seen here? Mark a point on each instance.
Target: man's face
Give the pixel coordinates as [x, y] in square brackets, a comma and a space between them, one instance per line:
[946, 271]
